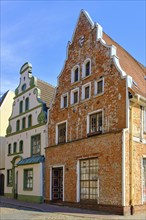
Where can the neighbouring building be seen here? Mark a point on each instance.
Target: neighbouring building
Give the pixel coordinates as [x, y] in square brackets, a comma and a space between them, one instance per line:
[27, 136]
[96, 156]
[6, 101]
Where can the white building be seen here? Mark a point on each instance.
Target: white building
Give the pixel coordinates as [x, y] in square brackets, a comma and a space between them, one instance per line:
[27, 137]
[6, 101]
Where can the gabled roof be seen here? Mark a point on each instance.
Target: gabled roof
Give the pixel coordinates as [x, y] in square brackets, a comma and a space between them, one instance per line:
[47, 91]
[3, 97]
[131, 66]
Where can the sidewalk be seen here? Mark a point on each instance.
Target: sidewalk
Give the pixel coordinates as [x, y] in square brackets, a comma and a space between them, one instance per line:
[69, 210]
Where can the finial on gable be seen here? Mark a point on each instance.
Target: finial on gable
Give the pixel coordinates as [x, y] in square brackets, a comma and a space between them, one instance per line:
[26, 66]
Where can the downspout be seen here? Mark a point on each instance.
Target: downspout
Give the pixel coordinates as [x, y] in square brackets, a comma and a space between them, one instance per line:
[131, 156]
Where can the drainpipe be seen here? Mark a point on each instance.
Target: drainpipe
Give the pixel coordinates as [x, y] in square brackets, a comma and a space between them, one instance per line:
[131, 156]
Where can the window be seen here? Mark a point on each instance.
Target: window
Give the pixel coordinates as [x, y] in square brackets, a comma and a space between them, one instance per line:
[87, 67]
[29, 121]
[86, 91]
[23, 123]
[144, 180]
[23, 87]
[14, 147]
[21, 107]
[17, 125]
[89, 179]
[28, 179]
[75, 74]
[95, 122]
[26, 104]
[144, 121]
[64, 100]
[99, 87]
[9, 149]
[75, 96]
[61, 133]
[36, 145]
[9, 177]
[21, 146]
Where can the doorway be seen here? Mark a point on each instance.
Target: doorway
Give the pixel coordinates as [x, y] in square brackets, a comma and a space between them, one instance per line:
[2, 184]
[57, 183]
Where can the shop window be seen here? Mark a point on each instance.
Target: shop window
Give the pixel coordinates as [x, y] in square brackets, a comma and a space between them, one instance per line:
[89, 179]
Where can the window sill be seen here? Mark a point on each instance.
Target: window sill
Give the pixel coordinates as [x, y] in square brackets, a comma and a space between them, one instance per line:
[85, 77]
[28, 189]
[94, 133]
[74, 83]
[83, 100]
[99, 94]
[74, 104]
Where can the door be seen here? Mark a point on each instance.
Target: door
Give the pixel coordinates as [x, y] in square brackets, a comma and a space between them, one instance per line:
[2, 184]
[16, 186]
[57, 183]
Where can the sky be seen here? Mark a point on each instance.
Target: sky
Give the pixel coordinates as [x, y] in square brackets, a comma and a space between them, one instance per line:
[38, 31]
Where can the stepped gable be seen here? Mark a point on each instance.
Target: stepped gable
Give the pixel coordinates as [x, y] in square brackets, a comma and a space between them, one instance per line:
[47, 92]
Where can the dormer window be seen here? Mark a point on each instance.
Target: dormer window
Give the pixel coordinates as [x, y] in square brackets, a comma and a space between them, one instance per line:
[64, 100]
[75, 74]
[86, 68]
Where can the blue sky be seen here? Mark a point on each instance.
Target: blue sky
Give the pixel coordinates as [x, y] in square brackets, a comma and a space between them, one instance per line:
[38, 32]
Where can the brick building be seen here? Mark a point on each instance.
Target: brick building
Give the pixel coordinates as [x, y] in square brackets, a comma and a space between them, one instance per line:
[96, 156]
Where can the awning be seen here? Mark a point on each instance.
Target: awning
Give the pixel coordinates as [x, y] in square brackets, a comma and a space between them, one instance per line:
[31, 160]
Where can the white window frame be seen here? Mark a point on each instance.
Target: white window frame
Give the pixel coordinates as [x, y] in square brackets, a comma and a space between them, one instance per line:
[144, 120]
[88, 119]
[62, 100]
[83, 90]
[73, 74]
[84, 68]
[62, 122]
[72, 96]
[96, 87]
[142, 196]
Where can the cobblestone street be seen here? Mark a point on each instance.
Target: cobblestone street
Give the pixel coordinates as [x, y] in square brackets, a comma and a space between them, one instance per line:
[14, 209]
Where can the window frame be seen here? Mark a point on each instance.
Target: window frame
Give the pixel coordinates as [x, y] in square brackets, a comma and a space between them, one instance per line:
[83, 91]
[20, 107]
[96, 92]
[36, 146]
[57, 132]
[25, 175]
[62, 100]
[21, 146]
[29, 121]
[73, 74]
[72, 96]
[18, 125]
[15, 147]
[27, 104]
[9, 149]
[84, 75]
[23, 123]
[9, 177]
[88, 122]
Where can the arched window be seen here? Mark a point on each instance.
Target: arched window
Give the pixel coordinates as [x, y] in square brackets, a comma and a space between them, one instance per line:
[21, 146]
[29, 121]
[75, 74]
[9, 149]
[26, 104]
[21, 107]
[15, 147]
[87, 67]
[17, 125]
[23, 123]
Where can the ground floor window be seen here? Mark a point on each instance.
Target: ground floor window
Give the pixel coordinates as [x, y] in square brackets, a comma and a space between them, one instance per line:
[89, 179]
[9, 177]
[144, 179]
[28, 179]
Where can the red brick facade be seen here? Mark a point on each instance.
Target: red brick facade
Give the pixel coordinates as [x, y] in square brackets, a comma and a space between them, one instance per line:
[108, 146]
